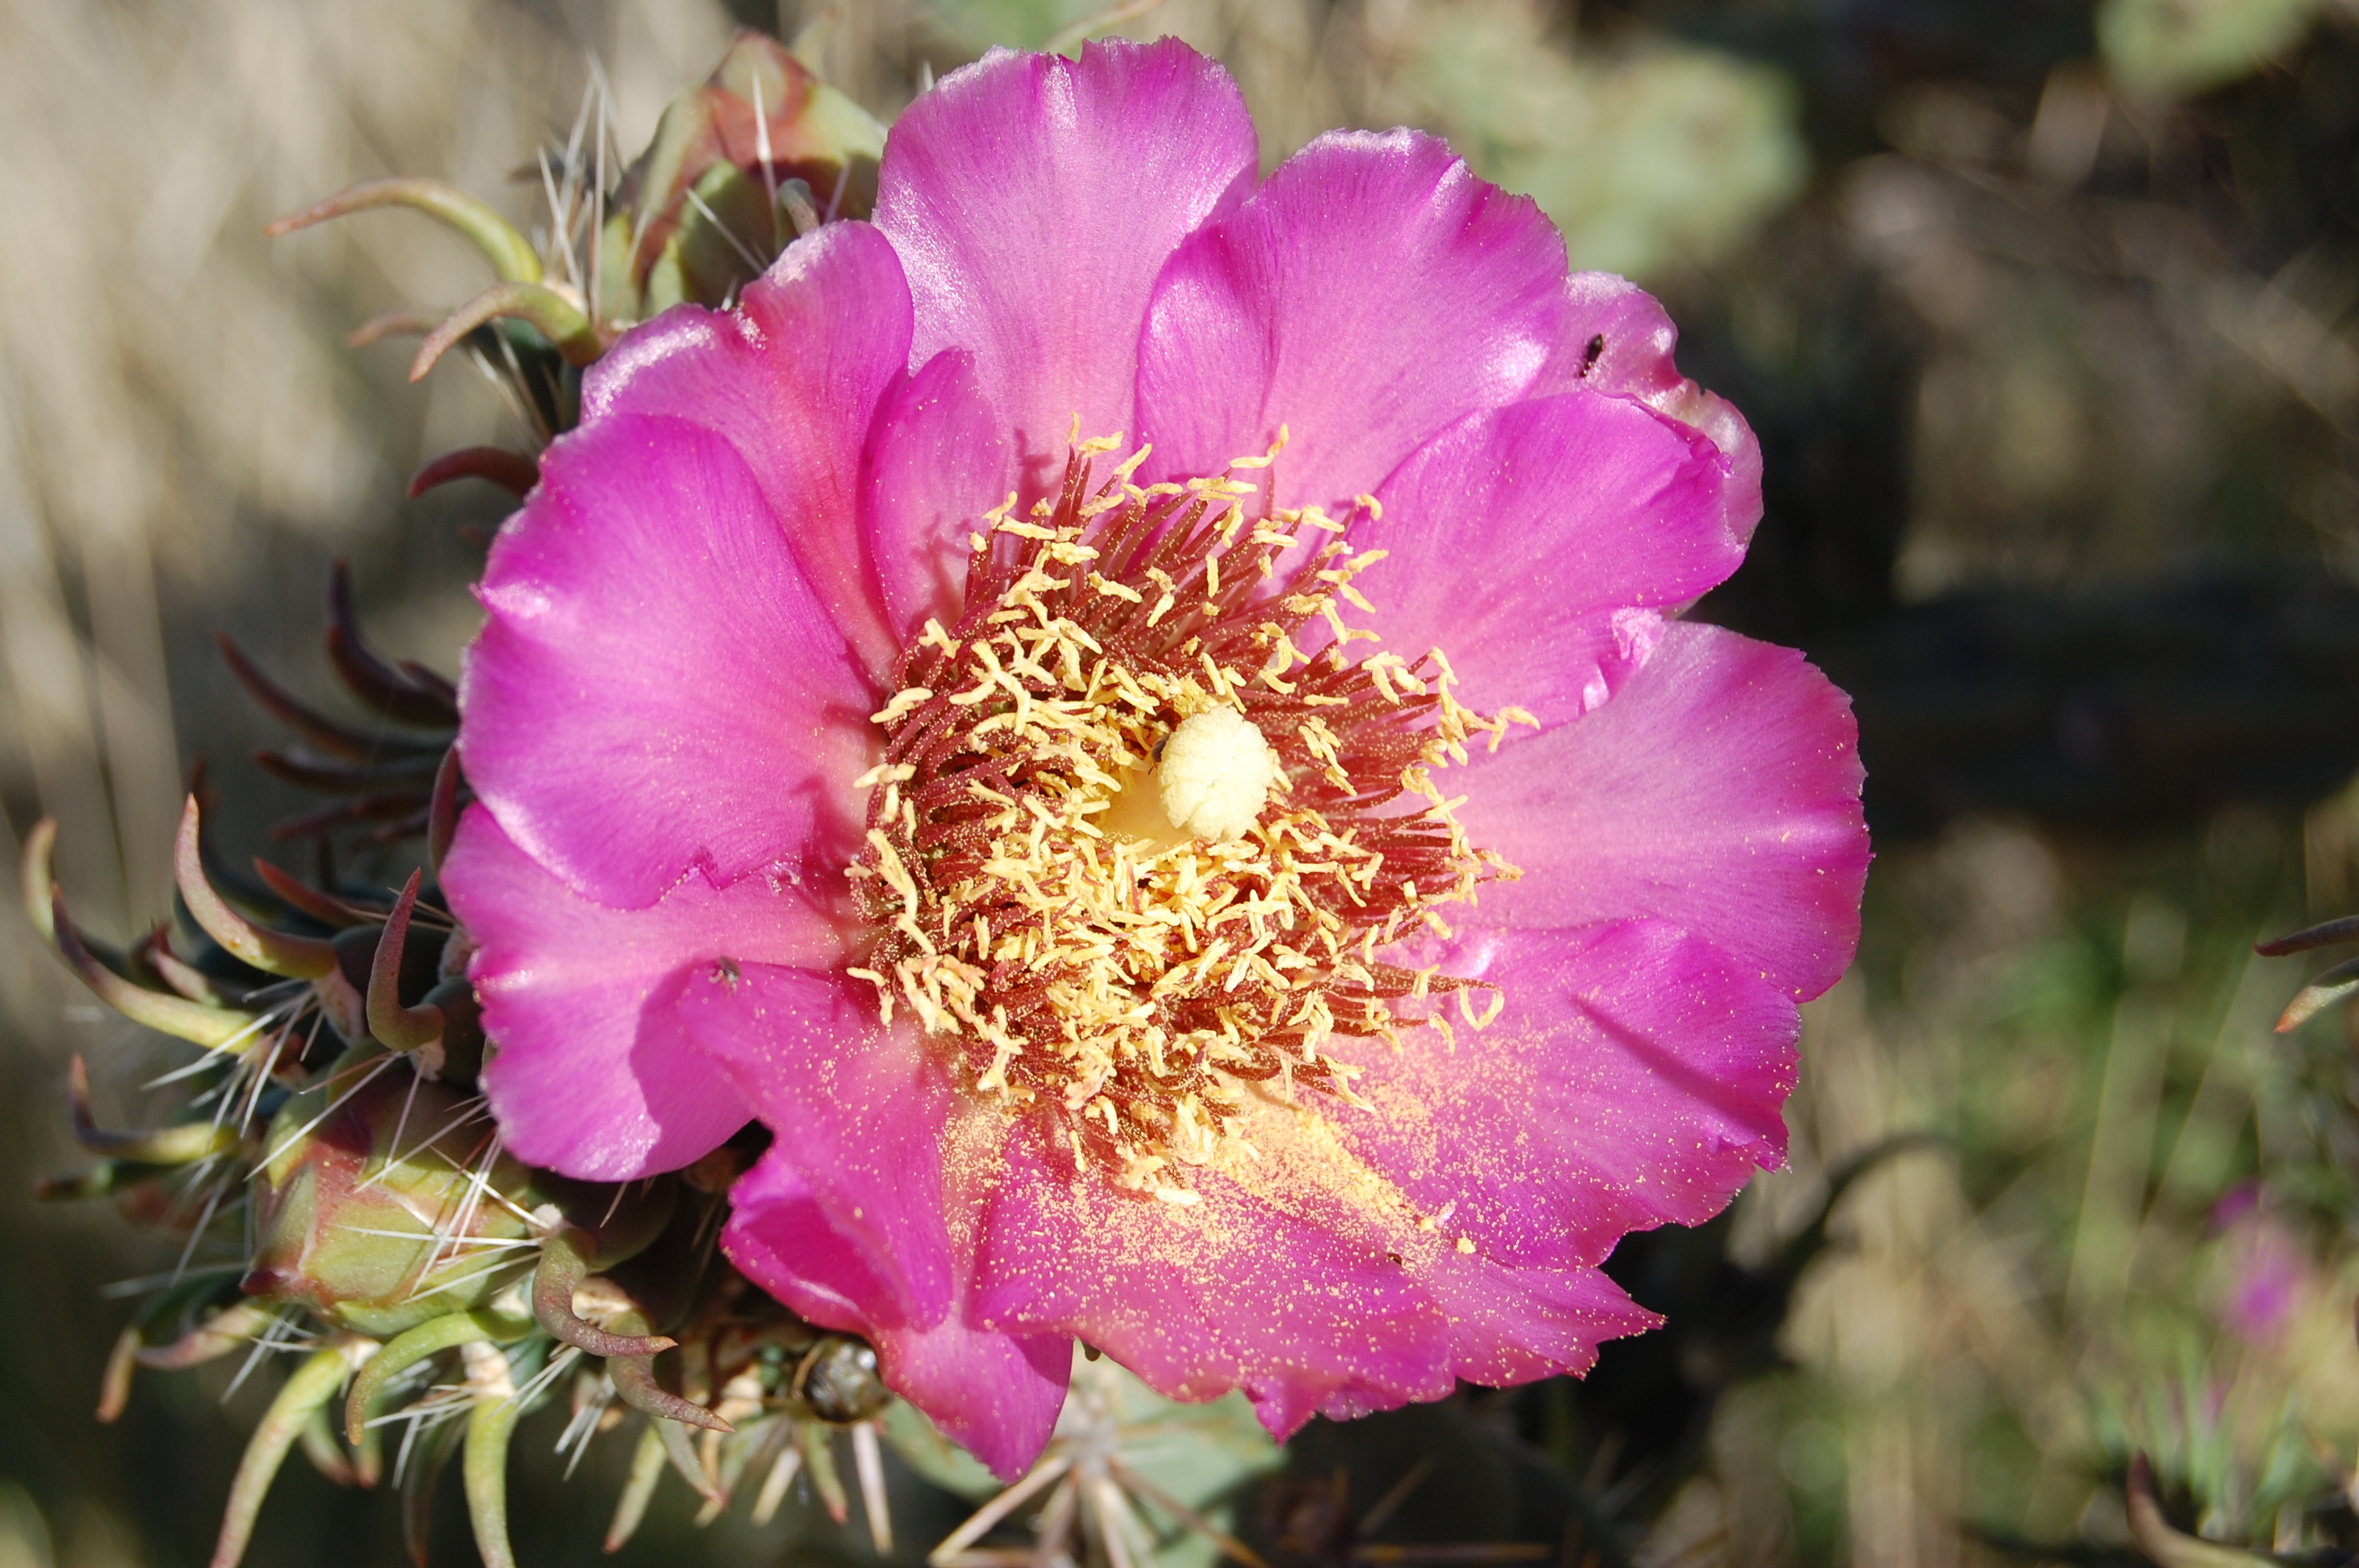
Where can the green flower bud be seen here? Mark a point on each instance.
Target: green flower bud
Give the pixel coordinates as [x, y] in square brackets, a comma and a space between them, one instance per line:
[377, 1207]
[708, 205]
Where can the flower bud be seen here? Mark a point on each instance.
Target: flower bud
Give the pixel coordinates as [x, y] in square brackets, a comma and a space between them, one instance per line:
[382, 1201]
[699, 214]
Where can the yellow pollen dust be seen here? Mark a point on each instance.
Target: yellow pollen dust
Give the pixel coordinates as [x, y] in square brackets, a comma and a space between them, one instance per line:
[1133, 853]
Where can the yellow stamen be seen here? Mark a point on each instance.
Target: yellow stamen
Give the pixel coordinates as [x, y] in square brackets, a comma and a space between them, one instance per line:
[1137, 959]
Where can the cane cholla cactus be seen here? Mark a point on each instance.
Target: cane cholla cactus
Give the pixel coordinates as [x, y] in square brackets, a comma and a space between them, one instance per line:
[1666, 862]
[429, 1280]
[431, 1283]
[740, 166]
[2331, 985]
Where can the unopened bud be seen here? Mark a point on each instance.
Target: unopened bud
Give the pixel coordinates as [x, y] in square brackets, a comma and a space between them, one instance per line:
[382, 1202]
[699, 214]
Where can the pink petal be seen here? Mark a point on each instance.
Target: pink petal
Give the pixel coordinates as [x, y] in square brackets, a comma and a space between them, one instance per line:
[1325, 1272]
[1361, 1259]
[1372, 293]
[861, 1217]
[783, 1241]
[1034, 198]
[791, 379]
[1517, 534]
[860, 1112]
[1632, 1078]
[1718, 790]
[996, 1393]
[658, 686]
[1619, 340]
[1301, 1275]
[1283, 1289]
[1516, 1325]
[592, 1077]
[1507, 1326]
[937, 460]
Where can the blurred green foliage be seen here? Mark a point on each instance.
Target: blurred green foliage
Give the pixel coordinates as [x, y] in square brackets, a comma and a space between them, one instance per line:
[1645, 155]
[2175, 47]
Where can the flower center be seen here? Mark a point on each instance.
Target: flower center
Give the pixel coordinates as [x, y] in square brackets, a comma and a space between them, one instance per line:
[1132, 852]
[1214, 777]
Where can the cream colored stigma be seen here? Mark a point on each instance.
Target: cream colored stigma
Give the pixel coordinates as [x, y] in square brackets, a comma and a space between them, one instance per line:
[1215, 775]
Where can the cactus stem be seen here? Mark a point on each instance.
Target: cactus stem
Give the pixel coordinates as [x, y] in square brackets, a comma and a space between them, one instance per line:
[409, 694]
[682, 1454]
[40, 855]
[510, 253]
[347, 778]
[443, 811]
[420, 1467]
[868, 1460]
[483, 1469]
[406, 321]
[318, 1440]
[647, 1469]
[233, 1326]
[155, 952]
[819, 1452]
[114, 1383]
[395, 808]
[183, 1146]
[564, 323]
[320, 907]
[214, 1028]
[2323, 936]
[2329, 988]
[398, 1028]
[802, 210]
[313, 1384]
[782, 1475]
[513, 471]
[407, 1348]
[368, 1458]
[562, 1271]
[272, 952]
[328, 734]
[636, 1385]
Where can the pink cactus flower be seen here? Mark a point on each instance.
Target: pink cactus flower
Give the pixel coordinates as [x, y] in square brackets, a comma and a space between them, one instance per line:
[1133, 715]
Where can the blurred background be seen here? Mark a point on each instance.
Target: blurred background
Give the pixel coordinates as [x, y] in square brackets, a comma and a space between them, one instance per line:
[2048, 315]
